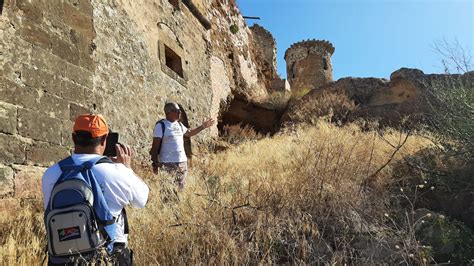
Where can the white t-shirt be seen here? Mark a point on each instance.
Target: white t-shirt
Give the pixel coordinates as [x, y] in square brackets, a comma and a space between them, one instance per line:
[172, 144]
[119, 184]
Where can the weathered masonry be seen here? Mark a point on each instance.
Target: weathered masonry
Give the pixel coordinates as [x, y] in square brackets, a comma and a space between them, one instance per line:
[308, 65]
[124, 59]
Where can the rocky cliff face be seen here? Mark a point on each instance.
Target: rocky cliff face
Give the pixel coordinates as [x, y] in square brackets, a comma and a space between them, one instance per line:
[243, 67]
[406, 94]
[232, 43]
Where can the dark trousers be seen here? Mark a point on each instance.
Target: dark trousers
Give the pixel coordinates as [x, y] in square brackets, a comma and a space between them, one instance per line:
[123, 256]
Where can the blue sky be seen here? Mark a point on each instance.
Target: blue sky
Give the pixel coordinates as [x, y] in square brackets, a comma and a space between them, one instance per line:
[372, 38]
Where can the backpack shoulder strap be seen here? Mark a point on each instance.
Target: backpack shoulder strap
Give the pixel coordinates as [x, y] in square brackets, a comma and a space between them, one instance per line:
[162, 123]
[65, 163]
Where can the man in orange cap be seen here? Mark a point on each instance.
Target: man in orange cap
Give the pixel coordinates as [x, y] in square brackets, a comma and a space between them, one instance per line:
[119, 184]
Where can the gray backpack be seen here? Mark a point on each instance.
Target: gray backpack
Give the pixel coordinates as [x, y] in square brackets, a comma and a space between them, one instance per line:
[78, 221]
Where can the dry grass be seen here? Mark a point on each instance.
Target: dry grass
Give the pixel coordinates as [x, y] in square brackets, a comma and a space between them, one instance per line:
[331, 105]
[278, 100]
[236, 134]
[22, 237]
[298, 198]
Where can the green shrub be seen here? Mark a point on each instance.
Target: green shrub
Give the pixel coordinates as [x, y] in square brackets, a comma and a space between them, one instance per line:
[448, 240]
[453, 111]
[452, 98]
[234, 29]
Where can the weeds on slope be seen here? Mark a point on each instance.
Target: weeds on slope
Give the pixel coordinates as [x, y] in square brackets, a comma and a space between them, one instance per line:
[308, 196]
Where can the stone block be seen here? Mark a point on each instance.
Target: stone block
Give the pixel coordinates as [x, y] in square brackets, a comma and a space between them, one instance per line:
[28, 181]
[15, 51]
[39, 79]
[66, 134]
[65, 50]
[14, 48]
[79, 75]
[13, 149]
[83, 6]
[45, 154]
[46, 61]
[39, 127]
[86, 61]
[53, 106]
[73, 92]
[39, 100]
[77, 110]
[78, 20]
[7, 118]
[82, 42]
[57, 25]
[54, 10]
[9, 207]
[36, 35]
[6, 181]
[32, 10]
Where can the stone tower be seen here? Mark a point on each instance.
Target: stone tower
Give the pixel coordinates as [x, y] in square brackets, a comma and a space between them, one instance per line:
[308, 65]
[266, 47]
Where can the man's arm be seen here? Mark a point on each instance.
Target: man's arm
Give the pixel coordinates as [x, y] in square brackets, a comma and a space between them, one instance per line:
[195, 131]
[154, 153]
[138, 190]
[154, 149]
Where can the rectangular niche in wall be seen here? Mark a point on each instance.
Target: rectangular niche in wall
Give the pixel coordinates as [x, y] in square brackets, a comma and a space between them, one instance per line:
[173, 61]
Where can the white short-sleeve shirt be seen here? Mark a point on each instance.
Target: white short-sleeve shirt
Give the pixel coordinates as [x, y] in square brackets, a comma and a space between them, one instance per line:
[172, 143]
[119, 184]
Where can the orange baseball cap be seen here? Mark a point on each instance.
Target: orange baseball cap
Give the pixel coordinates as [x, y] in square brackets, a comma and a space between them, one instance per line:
[95, 124]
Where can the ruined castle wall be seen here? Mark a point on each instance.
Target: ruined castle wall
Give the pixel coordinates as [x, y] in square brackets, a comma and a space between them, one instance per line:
[46, 79]
[132, 75]
[265, 46]
[308, 73]
[61, 58]
[235, 51]
[309, 65]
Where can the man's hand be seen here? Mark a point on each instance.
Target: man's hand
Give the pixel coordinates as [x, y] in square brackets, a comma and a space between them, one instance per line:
[209, 123]
[124, 155]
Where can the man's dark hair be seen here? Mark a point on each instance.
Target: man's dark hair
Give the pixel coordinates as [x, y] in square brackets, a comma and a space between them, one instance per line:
[170, 107]
[85, 139]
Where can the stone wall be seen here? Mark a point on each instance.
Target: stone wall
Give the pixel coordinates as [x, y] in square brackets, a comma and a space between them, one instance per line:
[132, 75]
[46, 79]
[121, 58]
[236, 52]
[265, 46]
[308, 65]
